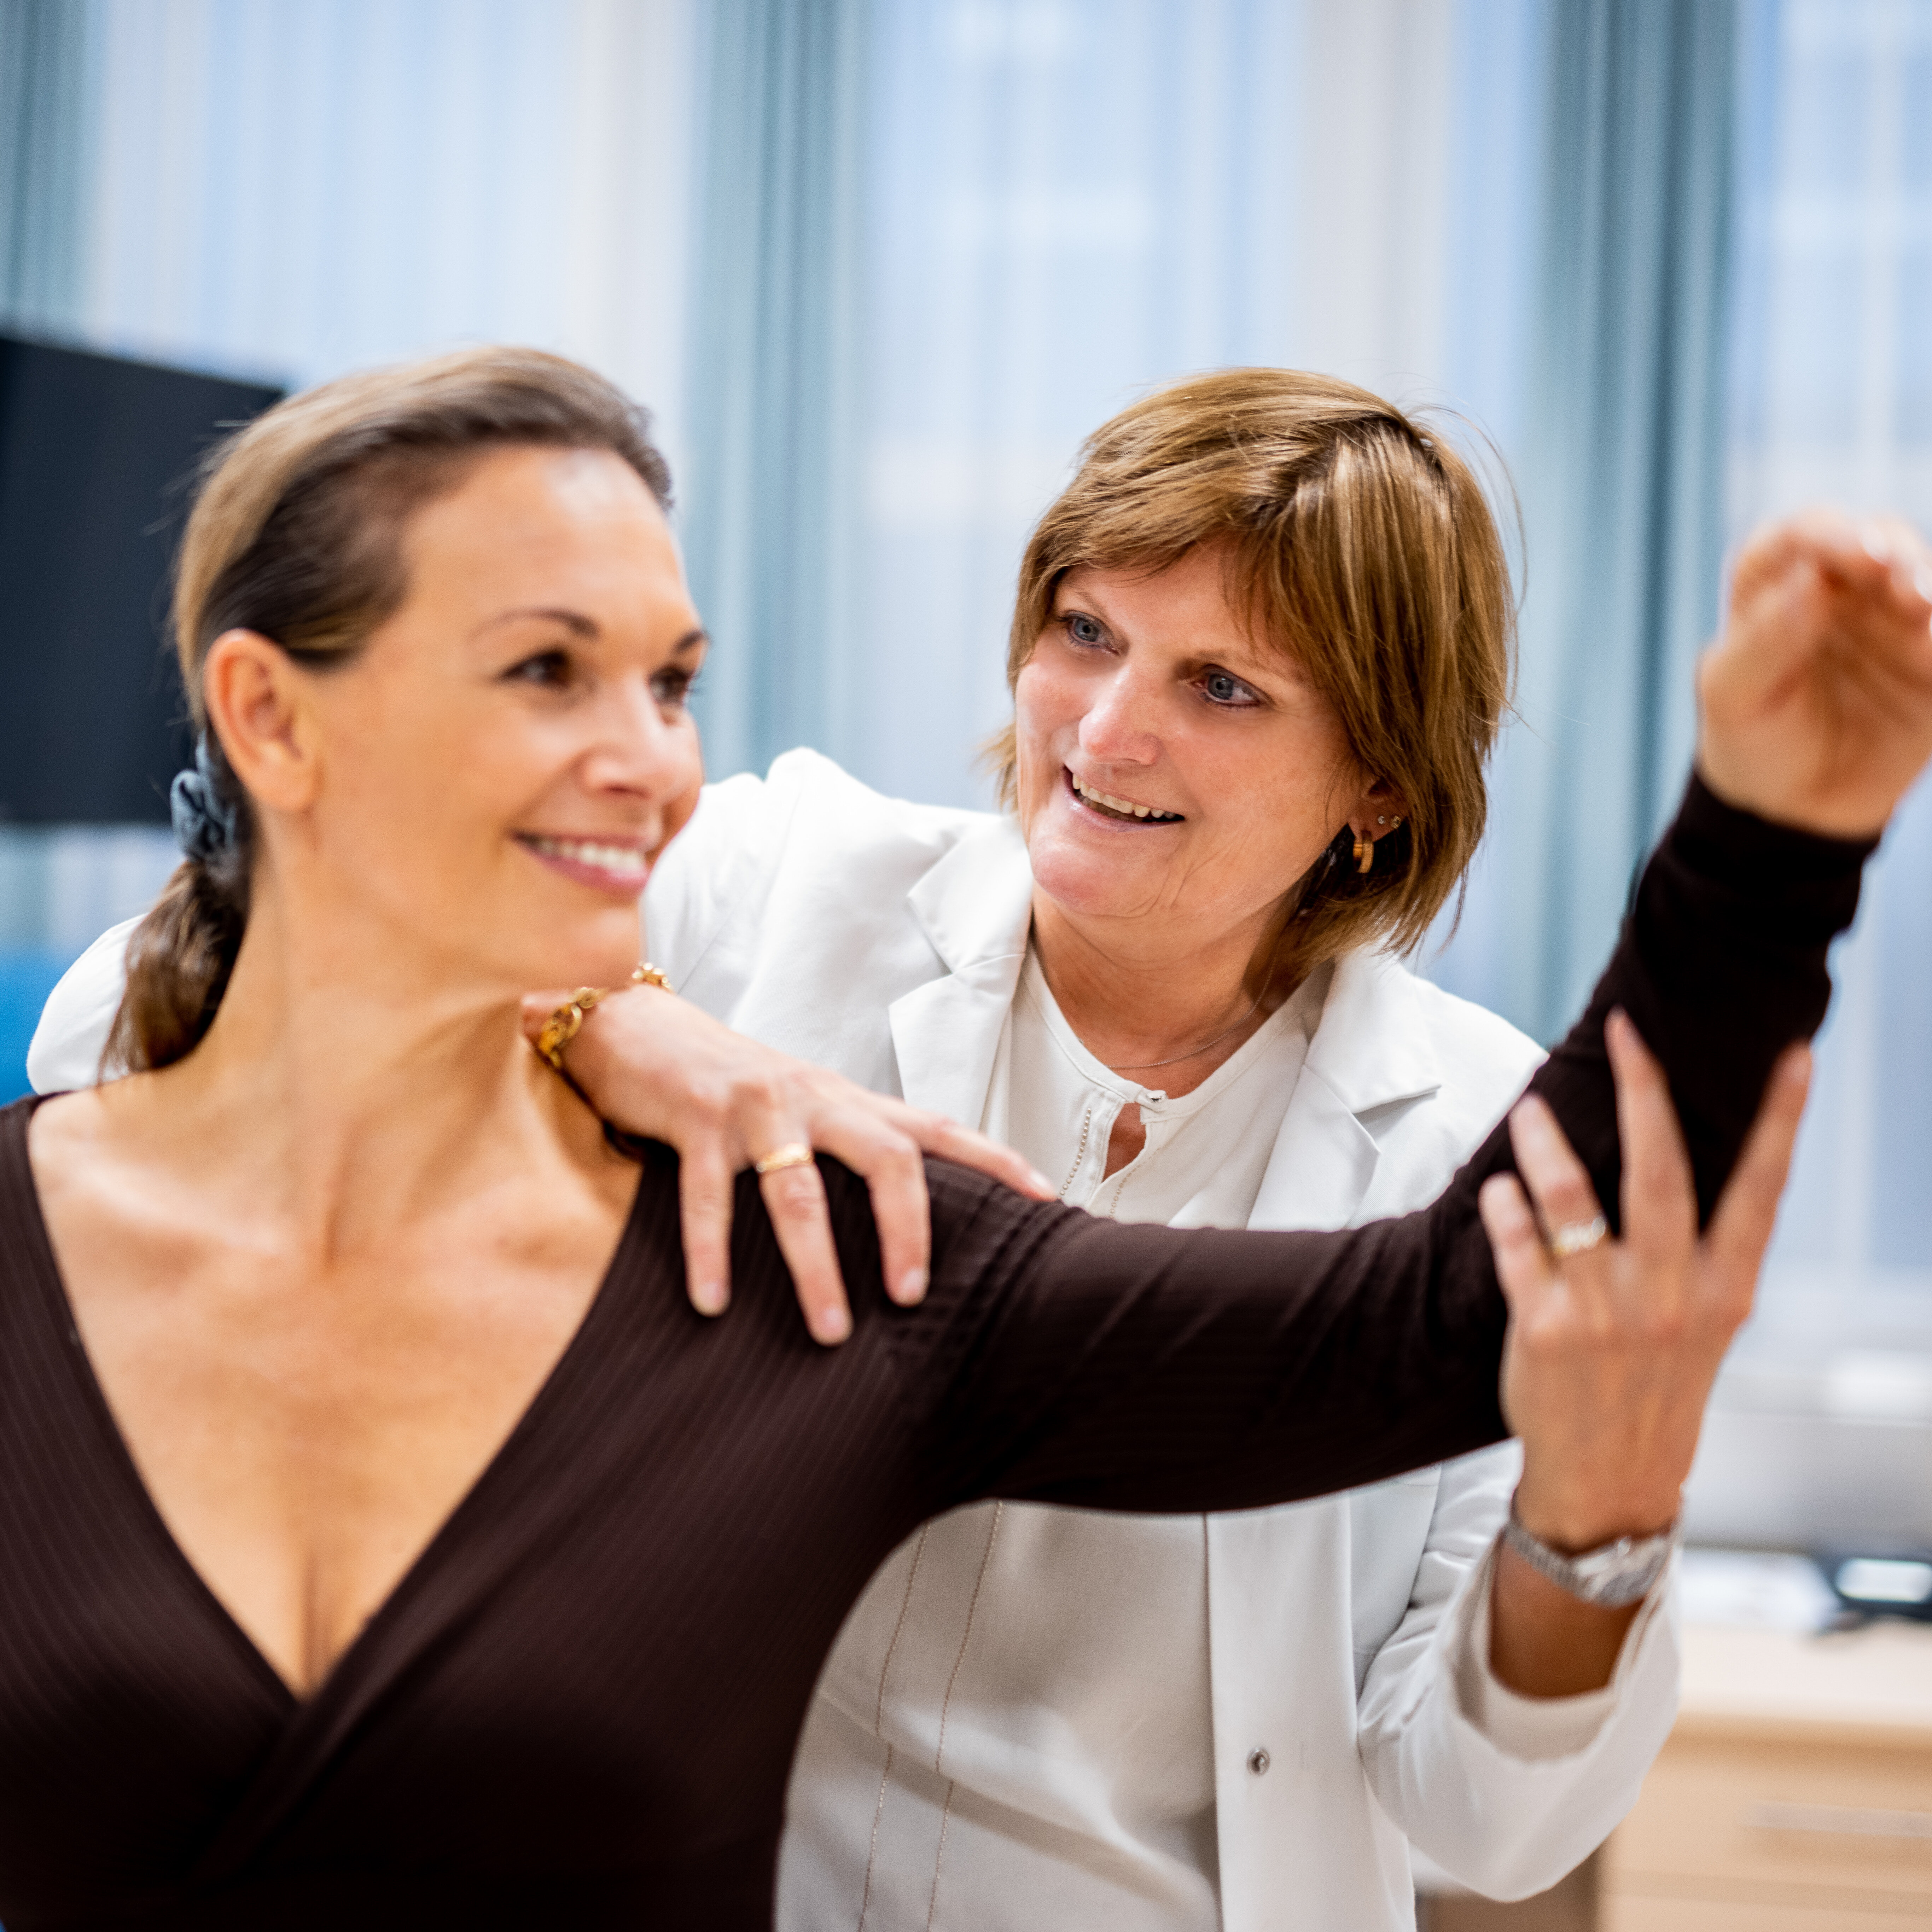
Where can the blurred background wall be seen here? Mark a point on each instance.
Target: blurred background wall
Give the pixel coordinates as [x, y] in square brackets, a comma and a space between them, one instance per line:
[1666, 266]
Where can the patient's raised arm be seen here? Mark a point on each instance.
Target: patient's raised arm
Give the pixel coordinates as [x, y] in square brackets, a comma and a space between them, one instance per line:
[1817, 715]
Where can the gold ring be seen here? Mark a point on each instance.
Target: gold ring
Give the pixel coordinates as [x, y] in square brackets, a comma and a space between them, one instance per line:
[794, 1154]
[1578, 1238]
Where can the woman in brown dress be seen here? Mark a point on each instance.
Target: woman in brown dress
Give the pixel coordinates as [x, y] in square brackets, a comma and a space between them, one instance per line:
[384, 1543]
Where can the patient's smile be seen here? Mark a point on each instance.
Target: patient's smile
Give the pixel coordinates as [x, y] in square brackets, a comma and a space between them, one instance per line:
[604, 862]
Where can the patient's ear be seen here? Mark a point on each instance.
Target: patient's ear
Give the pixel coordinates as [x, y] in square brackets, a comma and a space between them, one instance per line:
[256, 698]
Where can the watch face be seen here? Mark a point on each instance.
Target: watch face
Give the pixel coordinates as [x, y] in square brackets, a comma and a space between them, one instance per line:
[1618, 1573]
[1621, 1571]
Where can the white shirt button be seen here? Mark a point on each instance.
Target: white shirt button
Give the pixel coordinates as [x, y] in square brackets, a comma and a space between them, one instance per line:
[1259, 1762]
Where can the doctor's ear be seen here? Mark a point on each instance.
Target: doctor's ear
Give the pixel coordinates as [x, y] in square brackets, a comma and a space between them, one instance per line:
[256, 697]
[1382, 809]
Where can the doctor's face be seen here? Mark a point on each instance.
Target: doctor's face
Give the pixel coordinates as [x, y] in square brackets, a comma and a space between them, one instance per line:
[1173, 771]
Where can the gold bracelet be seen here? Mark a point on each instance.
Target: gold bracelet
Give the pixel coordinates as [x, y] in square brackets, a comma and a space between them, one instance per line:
[567, 1021]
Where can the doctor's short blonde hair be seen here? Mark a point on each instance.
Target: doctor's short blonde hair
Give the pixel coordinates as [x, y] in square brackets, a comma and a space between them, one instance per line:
[1359, 541]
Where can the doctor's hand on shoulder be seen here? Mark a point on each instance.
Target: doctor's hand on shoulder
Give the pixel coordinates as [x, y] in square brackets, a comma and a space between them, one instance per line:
[656, 1065]
[1612, 1349]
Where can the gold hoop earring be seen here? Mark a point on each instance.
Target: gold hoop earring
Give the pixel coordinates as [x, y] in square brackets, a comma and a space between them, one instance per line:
[1365, 851]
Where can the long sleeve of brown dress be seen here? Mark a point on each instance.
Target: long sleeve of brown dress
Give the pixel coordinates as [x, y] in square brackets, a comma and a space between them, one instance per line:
[578, 1707]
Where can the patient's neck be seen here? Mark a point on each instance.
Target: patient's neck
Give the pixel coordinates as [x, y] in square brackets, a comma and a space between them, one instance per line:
[357, 1079]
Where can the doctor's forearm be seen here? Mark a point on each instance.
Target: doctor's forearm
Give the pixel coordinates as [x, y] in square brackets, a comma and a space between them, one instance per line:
[1545, 1642]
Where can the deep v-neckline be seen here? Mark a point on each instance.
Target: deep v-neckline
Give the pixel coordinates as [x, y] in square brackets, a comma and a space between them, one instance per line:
[421, 1567]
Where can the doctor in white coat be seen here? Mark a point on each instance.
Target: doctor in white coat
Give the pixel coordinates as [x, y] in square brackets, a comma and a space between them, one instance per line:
[1044, 1718]
[1260, 655]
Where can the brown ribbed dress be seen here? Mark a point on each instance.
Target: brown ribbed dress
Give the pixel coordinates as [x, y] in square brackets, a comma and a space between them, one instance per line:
[578, 1708]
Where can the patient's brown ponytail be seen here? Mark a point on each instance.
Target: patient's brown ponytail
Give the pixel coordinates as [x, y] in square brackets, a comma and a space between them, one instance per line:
[179, 961]
[296, 536]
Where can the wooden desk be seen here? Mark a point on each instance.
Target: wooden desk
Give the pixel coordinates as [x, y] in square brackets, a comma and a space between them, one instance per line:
[1795, 1794]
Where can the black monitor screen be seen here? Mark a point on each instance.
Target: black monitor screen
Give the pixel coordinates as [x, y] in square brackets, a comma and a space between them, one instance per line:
[94, 453]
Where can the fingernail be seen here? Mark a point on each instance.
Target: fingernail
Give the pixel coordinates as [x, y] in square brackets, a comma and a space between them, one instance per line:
[912, 1286]
[1040, 1181]
[708, 1297]
[832, 1325]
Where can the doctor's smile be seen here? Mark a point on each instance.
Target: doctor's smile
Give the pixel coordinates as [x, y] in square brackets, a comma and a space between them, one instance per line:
[1120, 810]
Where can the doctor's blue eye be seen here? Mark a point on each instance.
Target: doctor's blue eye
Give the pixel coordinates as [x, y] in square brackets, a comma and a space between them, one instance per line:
[1223, 687]
[1083, 629]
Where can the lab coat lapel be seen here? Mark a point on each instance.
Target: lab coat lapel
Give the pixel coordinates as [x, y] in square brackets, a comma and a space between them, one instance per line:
[1323, 1161]
[1371, 1050]
[975, 907]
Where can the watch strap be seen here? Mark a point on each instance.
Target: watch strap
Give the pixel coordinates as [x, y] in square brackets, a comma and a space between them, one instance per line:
[1610, 1576]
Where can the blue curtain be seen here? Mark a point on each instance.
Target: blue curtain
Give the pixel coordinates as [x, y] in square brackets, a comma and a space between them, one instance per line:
[1832, 401]
[42, 146]
[1623, 469]
[775, 352]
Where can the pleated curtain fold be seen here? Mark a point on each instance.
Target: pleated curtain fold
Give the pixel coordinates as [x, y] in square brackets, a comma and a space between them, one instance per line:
[775, 349]
[1622, 473]
[43, 163]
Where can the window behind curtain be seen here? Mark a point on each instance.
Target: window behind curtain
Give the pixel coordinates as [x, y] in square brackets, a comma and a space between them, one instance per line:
[1832, 401]
[1070, 201]
[1820, 1433]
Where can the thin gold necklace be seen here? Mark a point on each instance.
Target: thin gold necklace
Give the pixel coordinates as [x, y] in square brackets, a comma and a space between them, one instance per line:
[1149, 1066]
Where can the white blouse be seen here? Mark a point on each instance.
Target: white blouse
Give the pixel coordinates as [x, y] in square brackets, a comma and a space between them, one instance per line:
[1206, 1151]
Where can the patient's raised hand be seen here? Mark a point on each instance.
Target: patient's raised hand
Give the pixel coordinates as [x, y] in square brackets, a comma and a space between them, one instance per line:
[1817, 701]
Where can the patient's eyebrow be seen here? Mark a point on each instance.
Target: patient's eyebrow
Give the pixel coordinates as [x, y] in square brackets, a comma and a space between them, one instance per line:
[580, 626]
[574, 621]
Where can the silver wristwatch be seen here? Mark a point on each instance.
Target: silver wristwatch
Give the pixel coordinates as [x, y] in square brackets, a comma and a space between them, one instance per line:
[1610, 1576]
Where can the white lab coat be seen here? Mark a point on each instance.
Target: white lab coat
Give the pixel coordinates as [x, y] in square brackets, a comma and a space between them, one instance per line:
[885, 940]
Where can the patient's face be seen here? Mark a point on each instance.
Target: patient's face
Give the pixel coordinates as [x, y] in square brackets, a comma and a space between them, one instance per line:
[502, 760]
[1150, 690]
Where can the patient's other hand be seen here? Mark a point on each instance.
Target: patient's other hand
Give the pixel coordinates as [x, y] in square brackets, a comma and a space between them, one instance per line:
[1611, 1354]
[1817, 701]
